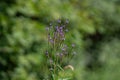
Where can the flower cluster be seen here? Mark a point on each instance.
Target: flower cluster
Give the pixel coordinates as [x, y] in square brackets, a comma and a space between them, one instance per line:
[58, 53]
[57, 33]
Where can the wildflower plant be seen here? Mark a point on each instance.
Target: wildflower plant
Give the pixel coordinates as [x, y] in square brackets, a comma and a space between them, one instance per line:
[58, 53]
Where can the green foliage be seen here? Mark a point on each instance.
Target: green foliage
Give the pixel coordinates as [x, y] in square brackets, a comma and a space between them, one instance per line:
[94, 28]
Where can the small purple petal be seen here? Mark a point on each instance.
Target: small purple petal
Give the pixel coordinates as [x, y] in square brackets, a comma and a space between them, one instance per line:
[61, 28]
[57, 29]
[59, 21]
[61, 55]
[63, 49]
[55, 35]
[61, 33]
[51, 41]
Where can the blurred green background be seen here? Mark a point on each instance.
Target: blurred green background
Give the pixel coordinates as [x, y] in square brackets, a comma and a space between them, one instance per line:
[94, 27]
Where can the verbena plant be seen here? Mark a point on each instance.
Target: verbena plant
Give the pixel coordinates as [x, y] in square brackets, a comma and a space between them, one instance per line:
[58, 53]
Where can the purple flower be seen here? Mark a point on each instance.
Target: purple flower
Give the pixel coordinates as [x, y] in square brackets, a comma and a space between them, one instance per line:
[51, 41]
[63, 49]
[61, 28]
[61, 55]
[55, 35]
[56, 46]
[59, 21]
[57, 29]
[61, 34]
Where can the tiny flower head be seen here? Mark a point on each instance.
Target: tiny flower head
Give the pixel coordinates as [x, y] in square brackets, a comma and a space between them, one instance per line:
[63, 49]
[59, 21]
[51, 41]
[61, 55]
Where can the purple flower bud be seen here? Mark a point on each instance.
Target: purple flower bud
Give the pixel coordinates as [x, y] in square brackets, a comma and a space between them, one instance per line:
[63, 49]
[57, 29]
[61, 55]
[51, 41]
[59, 21]
[61, 28]
[55, 35]
[61, 34]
